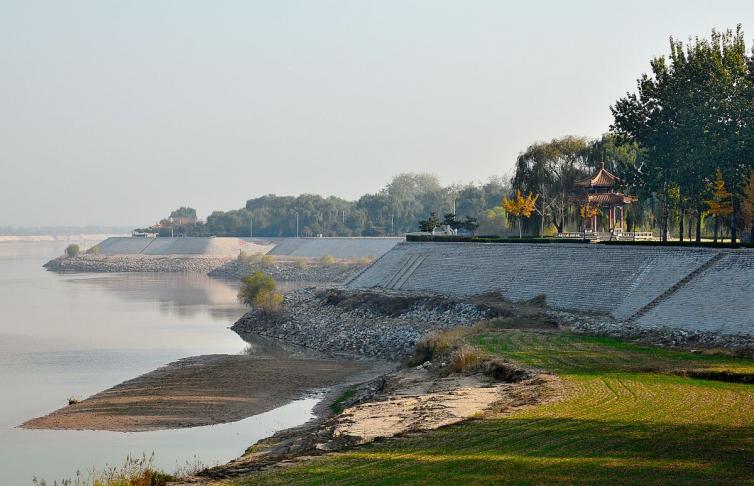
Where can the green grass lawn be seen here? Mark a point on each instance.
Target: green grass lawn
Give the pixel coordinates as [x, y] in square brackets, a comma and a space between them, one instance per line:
[627, 418]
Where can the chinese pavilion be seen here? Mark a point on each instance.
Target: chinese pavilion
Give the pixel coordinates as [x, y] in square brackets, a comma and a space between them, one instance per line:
[601, 193]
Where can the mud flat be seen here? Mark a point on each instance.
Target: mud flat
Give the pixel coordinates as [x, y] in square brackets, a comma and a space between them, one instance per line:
[205, 390]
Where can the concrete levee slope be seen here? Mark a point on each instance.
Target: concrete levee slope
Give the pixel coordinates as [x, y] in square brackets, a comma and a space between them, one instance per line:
[720, 299]
[337, 247]
[208, 246]
[122, 245]
[622, 281]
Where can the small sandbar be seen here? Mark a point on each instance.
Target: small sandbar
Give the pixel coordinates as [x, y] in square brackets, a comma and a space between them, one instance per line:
[202, 390]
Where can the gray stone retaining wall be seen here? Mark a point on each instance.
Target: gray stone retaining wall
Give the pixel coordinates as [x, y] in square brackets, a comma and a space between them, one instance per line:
[136, 263]
[688, 288]
[288, 271]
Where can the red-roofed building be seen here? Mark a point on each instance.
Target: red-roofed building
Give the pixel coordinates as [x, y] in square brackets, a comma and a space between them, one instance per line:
[601, 193]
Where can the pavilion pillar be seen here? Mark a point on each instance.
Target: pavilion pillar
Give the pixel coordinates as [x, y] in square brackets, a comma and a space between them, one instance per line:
[611, 218]
[622, 220]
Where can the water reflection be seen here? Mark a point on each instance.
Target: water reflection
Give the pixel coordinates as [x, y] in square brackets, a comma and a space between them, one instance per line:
[181, 294]
[76, 334]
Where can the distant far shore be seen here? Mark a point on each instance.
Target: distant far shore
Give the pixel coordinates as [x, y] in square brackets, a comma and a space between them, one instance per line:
[58, 238]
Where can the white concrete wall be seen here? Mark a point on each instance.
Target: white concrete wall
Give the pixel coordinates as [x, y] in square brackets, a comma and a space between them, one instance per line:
[179, 246]
[337, 247]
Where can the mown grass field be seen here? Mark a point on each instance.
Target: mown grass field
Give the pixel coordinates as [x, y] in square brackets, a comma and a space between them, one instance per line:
[627, 418]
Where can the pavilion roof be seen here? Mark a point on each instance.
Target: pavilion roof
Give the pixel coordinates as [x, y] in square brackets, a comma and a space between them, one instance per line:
[603, 178]
[609, 198]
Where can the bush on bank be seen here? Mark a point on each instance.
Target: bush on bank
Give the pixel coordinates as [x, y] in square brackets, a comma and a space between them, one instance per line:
[259, 290]
[72, 250]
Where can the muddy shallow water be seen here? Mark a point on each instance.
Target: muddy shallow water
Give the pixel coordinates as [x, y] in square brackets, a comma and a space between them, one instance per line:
[73, 335]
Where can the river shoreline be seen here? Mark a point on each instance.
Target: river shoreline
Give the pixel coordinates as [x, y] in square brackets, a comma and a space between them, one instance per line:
[209, 389]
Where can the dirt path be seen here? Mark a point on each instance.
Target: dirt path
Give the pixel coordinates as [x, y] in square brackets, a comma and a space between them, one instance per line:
[203, 390]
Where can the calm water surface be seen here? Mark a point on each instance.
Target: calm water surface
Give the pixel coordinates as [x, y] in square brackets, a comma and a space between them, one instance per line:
[74, 335]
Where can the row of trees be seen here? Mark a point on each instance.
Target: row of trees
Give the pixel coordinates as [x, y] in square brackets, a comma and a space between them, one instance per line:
[683, 143]
[394, 210]
[693, 119]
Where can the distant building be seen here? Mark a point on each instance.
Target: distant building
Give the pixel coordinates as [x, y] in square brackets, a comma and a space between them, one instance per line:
[602, 194]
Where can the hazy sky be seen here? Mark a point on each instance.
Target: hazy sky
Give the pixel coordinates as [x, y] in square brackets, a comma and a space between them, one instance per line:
[115, 112]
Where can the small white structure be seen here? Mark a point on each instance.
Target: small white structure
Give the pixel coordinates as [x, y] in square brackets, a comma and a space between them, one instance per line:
[444, 230]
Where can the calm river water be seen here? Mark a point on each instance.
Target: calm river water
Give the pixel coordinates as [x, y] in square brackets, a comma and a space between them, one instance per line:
[74, 335]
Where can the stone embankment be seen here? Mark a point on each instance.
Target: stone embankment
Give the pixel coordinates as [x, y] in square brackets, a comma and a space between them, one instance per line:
[364, 323]
[676, 337]
[696, 292]
[289, 271]
[136, 263]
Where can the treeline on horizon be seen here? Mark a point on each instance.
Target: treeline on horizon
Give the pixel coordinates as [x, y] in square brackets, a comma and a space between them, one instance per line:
[394, 210]
[683, 143]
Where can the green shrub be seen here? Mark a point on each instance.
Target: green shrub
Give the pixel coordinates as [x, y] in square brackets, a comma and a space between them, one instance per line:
[253, 284]
[328, 260]
[258, 290]
[72, 250]
[268, 301]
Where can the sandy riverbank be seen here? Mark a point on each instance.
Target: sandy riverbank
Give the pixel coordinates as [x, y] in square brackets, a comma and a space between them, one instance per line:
[205, 390]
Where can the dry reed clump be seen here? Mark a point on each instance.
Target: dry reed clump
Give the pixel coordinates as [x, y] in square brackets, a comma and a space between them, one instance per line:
[328, 260]
[255, 258]
[248, 257]
[302, 264]
[450, 349]
[466, 359]
[135, 471]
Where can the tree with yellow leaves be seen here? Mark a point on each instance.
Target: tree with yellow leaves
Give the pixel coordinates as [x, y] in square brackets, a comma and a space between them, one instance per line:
[747, 197]
[588, 211]
[521, 206]
[720, 206]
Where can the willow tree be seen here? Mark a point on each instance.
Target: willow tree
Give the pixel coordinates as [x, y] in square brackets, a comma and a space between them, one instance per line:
[551, 169]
